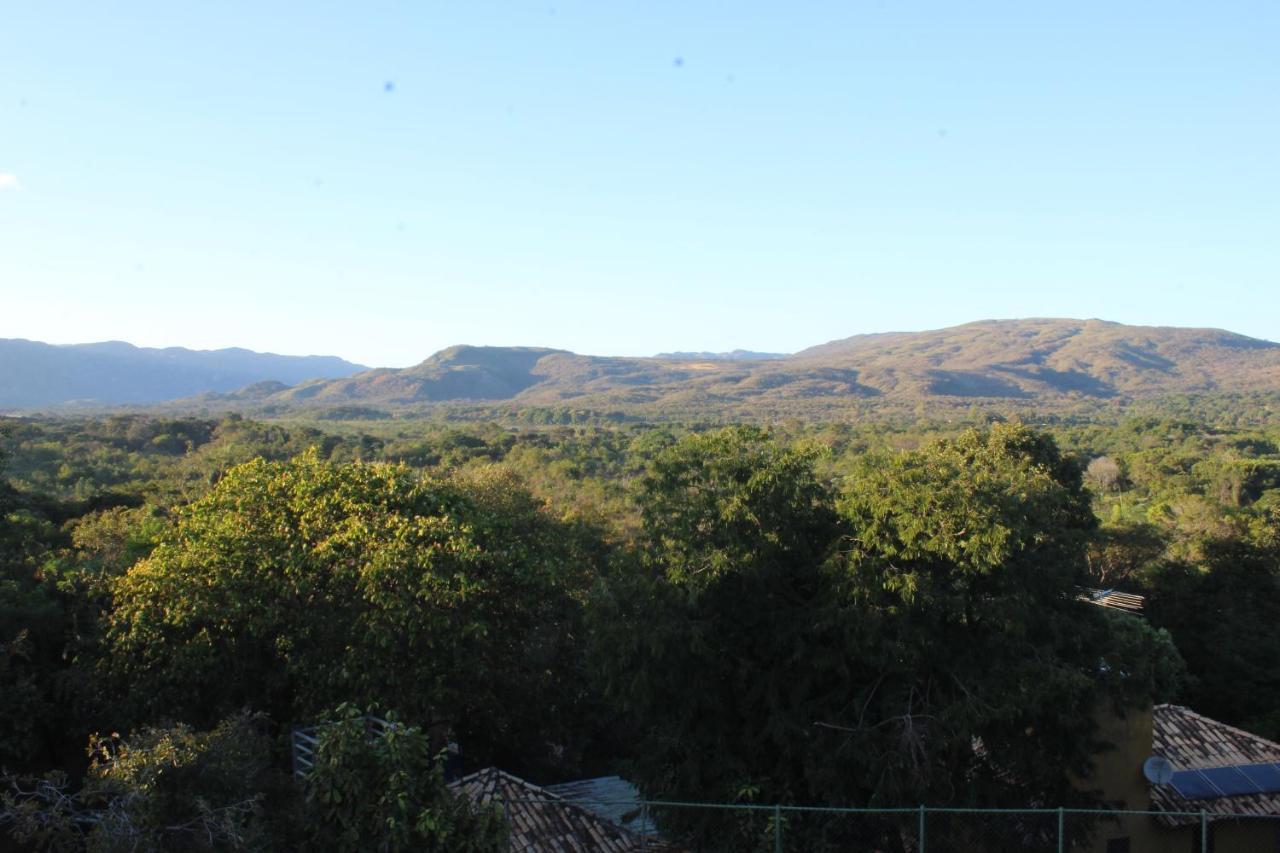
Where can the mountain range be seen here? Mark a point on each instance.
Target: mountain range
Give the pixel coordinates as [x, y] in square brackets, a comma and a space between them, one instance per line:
[34, 374]
[735, 355]
[1031, 363]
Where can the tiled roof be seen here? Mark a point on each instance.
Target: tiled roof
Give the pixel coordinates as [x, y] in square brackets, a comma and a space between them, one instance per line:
[612, 798]
[1191, 741]
[543, 822]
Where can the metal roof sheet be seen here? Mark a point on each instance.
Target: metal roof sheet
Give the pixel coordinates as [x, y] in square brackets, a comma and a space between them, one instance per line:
[612, 798]
[1114, 599]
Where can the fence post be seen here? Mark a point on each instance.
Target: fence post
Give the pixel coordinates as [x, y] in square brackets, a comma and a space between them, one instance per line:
[777, 828]
[1204, 831]
[644, 824]
[920, 832]
[1061, 848]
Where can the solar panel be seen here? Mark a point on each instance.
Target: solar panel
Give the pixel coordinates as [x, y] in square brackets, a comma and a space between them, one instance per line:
[1230, 781]
[1265, 776]
[1210, 782]
[1192, 785]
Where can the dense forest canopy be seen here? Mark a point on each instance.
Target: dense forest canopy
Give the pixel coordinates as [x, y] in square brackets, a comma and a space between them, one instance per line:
[696, 606]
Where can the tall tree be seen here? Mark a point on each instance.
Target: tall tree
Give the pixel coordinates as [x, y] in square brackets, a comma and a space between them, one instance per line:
[714, 638]
[1222, 614]
[967, 555]
[921, 643]
[385, 790]
[292, 587]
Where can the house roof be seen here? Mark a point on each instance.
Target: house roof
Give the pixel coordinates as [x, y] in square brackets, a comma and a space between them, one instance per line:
[612, 798]
[1192, 741]
[544, 822]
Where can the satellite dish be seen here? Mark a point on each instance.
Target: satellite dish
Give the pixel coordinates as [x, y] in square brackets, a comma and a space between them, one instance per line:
[1158, 770]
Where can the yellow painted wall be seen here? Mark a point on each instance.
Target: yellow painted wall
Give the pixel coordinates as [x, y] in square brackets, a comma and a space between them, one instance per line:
[1118, 774]
[1247, 836]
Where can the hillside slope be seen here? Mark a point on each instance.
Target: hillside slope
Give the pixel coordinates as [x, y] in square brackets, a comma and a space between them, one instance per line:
[1036, 362]
[34, 374]
[1027, 363]
[456, 373]
[1036, 358]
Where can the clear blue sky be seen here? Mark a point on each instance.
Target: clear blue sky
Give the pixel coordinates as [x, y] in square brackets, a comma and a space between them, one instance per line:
[380, 180]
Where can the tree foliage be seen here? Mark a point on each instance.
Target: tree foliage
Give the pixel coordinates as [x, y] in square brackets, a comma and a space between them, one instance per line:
[1224, 616]
[925, 633]
[31, 625]
[383, 789]
[160, 790]
[294, 586]
[820, 611]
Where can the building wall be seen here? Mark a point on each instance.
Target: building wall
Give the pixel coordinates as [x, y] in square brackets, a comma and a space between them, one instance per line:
[1248, 836]
[1261, 835]
[1118, 774]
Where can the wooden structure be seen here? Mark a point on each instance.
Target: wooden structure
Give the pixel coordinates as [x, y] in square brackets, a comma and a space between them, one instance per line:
[1113, 599]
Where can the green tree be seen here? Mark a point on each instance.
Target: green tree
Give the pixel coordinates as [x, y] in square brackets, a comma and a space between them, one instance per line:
[160, 790]
[713, 639]
[1120, 553]
[294, 586]
[921, 644]
[734, 502]
[382, 789]
[1222, 615]
[966, 557]
[31, 627]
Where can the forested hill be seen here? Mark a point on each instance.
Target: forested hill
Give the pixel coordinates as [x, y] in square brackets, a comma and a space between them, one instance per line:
[1026, 362]
[34, 374]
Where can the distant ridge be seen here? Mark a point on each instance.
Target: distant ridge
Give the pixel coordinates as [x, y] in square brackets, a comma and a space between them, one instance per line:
[34, 374]
[1034, 363]
[735, 355]
[1038, 358]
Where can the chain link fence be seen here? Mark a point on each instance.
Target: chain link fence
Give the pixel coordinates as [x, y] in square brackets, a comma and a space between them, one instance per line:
[672, 827]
